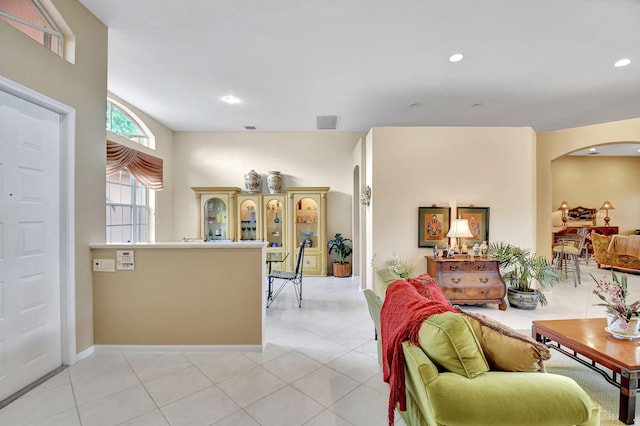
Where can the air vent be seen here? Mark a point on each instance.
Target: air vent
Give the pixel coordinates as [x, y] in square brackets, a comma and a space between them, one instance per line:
[327, 122]
[249, 127]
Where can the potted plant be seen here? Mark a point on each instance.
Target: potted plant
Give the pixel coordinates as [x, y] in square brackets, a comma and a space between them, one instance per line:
[525, 273]
[341, 268]
[623, 317]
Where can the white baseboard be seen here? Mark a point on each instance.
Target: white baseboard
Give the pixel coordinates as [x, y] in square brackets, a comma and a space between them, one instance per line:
[84, 354]
[178, 348]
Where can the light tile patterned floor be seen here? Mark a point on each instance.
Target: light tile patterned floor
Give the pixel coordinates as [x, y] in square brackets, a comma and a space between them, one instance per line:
[319, 368]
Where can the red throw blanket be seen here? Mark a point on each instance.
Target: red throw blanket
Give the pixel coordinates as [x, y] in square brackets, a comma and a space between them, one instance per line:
[402, 314]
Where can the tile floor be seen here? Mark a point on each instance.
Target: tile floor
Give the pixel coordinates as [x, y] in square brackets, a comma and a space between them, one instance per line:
[319, 368]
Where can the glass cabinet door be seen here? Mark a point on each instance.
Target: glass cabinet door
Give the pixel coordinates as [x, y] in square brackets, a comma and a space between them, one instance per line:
[215, 214]
[308, 212]
[275, 223]
[249, 226]
[307, 222]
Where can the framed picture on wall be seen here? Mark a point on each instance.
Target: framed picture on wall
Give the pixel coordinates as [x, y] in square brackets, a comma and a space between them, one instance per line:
[433, 225]
[478, 218]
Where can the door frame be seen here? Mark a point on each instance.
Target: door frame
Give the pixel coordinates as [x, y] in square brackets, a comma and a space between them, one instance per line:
[67, 211]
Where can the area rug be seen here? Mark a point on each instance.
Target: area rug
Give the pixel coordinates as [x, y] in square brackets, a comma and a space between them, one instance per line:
[605, 394]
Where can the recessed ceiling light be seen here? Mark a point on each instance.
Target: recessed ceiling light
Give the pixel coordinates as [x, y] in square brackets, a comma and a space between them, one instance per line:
[230, 99]
[592, 149]
[622, 62]
[456, 57]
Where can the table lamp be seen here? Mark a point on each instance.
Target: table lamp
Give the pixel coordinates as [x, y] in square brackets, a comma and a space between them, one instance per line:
[459, 229]
[606, 206]
[564, 206]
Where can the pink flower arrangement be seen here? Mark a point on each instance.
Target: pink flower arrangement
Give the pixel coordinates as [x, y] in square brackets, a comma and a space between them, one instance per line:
[614, 295]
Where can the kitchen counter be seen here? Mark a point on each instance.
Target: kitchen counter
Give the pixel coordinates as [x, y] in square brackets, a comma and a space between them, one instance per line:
[180, 294]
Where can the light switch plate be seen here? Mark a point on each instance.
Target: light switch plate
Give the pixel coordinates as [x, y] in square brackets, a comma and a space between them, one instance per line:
[125, 260]
[104, 265]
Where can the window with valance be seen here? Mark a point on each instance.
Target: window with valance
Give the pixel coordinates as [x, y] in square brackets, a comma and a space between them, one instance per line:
[145, 168]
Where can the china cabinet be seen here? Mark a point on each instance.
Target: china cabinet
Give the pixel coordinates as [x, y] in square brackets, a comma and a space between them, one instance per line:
[276, 228]
[217, 212]
[282, 220]
[308, 217]
[249, 220]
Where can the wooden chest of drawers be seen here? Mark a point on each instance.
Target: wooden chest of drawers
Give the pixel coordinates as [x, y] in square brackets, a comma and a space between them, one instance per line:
[469, 281]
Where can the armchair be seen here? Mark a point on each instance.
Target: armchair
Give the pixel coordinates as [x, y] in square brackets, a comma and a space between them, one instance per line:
[506, 388]
[494, 398]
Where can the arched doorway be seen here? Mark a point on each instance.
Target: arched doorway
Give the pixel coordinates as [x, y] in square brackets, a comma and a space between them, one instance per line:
[553, 145]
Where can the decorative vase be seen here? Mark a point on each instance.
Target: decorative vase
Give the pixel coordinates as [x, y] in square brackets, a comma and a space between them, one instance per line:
[274, 182]
[620, 326]
[276, 219]
[252, 181]
[523, 299]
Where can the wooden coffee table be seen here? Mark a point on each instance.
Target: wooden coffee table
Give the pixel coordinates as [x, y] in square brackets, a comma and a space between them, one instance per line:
[587, 338]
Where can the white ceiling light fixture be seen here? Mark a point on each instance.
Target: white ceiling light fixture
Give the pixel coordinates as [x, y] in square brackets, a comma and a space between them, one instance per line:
[592, 149]
[230, 99]
[622, 62]
[456, 57]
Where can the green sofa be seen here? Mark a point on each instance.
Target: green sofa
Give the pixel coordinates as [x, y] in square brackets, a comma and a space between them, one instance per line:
[437, 396]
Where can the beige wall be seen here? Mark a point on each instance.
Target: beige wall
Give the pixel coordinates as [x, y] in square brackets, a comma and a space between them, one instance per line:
[449, 166]
[589, 181]
[552, 145]
[164, 149]
[82, 86]
[182, 296]
[223, 158]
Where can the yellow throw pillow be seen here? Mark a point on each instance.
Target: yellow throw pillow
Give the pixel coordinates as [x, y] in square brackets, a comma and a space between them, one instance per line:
[504, 348]
[451, 344]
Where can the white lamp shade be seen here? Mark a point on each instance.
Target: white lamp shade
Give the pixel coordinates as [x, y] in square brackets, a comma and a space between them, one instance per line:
[460, 228]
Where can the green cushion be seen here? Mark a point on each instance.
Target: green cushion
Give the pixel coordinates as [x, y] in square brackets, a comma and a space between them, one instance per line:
[502, 398]
[451, 344]
[385, 277]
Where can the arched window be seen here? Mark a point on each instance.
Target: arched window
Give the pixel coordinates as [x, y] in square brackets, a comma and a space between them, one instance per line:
[40, 20]
[132, 178]
[123, 122]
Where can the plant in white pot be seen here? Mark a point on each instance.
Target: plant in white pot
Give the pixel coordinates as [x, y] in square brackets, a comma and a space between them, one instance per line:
[623, 317]
[341, 268]
[525, 273]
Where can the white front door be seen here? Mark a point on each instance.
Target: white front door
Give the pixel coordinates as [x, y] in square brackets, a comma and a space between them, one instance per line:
[30, 326]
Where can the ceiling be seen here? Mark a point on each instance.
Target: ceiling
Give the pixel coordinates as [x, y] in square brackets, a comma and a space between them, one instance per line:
[547, 64]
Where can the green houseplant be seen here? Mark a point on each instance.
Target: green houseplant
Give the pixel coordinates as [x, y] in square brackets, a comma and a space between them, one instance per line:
[341, 268]
[525, 274]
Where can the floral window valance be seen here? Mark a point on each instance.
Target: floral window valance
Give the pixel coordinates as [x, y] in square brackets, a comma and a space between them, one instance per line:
[146, 168]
